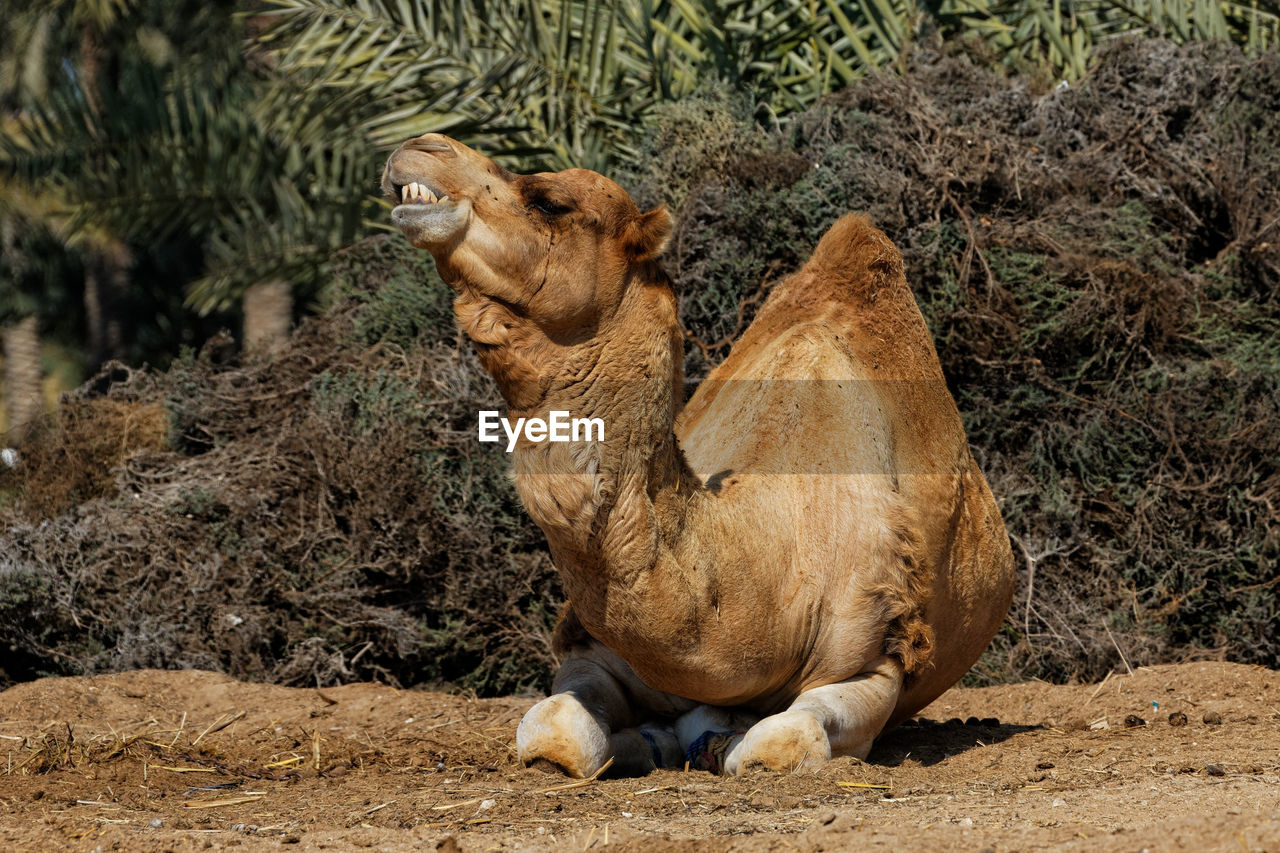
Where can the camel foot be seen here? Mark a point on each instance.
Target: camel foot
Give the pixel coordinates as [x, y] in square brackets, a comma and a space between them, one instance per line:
[789, 742]
[548, 767]
[558, 734]
[640, 751]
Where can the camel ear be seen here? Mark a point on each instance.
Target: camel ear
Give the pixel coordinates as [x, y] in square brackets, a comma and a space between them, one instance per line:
[648, 234]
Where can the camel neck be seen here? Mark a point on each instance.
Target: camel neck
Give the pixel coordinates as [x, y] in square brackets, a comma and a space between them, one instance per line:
[596, 500]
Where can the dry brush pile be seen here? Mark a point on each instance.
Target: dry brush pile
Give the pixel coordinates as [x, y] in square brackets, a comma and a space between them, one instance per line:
[315, 517]
[1098, 264]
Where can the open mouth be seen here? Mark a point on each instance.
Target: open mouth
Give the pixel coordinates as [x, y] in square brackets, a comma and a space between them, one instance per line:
[426, 215]
[416, 193]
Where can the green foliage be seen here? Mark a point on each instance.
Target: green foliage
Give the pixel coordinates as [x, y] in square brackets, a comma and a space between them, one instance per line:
[402, 299]
[203, 149]
[151, 126]
[513, 78]
[36, 275]
[568, 80]
[366, 402]
[62, 65]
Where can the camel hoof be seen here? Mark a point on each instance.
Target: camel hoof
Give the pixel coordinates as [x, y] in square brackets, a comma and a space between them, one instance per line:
[548, 767]
[560, 735]
[790, 742]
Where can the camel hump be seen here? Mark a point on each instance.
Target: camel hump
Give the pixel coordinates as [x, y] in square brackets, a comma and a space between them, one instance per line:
[855, 258]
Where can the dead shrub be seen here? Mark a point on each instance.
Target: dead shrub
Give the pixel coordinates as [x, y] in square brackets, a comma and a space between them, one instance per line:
[318, 516]
[73, 456]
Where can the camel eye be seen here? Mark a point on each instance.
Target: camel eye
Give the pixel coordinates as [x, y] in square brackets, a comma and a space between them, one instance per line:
[548, 207]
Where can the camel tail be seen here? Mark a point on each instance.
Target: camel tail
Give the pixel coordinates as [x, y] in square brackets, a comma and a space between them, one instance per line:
[856, 259]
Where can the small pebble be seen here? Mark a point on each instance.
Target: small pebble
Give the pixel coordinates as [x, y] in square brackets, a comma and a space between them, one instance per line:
[1133, 721]
[156, 823]
[1177, 718]
[1212, 718]
[1215, 770]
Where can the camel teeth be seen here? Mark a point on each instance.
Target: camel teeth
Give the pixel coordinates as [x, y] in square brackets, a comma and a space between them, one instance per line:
[416, 193]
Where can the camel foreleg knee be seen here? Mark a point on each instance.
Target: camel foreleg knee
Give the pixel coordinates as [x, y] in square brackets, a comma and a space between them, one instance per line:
[559, 733]
[570, 729]
[828, 721]
[593, 715]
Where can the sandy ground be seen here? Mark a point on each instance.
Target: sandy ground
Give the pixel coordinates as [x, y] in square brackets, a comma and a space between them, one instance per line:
[194, 761]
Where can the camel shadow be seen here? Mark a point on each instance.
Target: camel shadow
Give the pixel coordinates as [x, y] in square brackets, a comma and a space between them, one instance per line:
[930, 742]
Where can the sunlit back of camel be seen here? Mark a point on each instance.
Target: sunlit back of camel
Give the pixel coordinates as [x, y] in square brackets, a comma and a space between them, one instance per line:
[776, 572]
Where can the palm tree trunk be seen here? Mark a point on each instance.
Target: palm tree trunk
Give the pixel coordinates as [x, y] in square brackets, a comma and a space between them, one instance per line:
[105, 286]
[23, 404]
[268, 315]
[94, 314]
[90, 51]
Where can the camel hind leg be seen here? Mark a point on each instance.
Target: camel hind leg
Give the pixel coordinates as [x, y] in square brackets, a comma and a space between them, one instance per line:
[835, 719]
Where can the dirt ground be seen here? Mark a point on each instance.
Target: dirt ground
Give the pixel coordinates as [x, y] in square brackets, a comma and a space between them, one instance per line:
[1179, 757]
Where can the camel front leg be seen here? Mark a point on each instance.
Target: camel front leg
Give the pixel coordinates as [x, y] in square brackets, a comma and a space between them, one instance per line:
[828, 721]
[594, 713]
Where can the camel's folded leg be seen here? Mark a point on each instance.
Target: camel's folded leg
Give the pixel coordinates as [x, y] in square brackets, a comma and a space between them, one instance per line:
[591, 717]
[835, 719]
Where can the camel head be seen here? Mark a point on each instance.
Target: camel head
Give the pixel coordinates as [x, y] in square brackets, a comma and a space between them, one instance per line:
[555, 248]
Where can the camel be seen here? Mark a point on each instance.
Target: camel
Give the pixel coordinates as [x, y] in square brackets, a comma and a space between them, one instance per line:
[796, 560]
